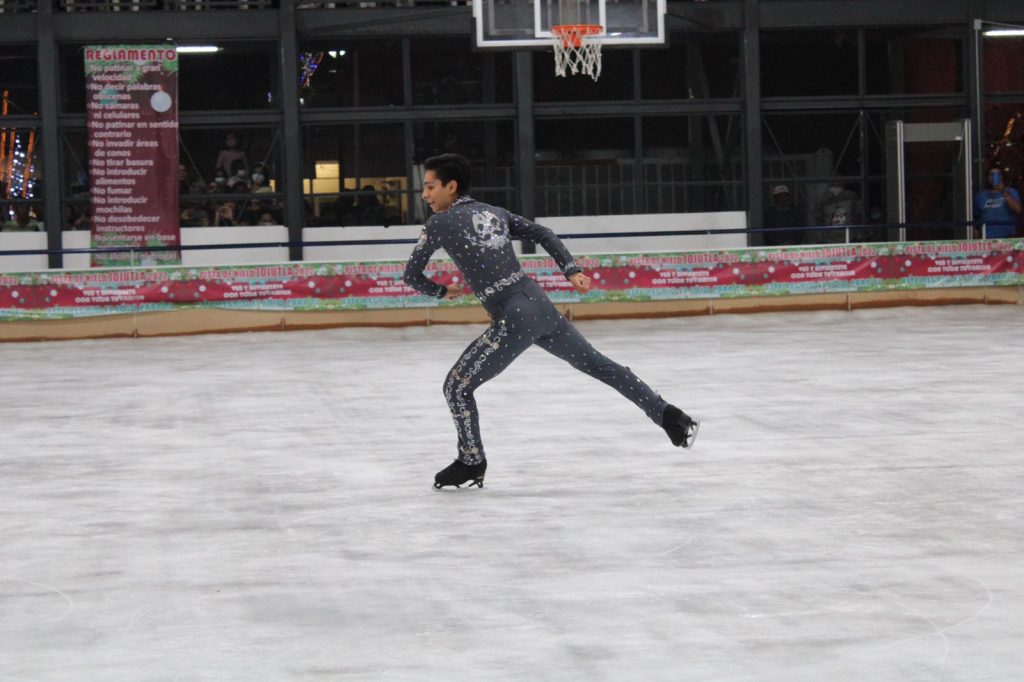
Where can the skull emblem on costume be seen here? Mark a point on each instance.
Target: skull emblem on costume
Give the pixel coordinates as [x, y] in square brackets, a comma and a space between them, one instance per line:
[491, 231]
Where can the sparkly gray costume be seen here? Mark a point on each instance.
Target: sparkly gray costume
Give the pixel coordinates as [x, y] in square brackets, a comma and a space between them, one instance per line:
[478, 238]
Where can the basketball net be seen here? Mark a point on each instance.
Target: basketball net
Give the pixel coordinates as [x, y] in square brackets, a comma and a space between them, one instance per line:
[575, 50]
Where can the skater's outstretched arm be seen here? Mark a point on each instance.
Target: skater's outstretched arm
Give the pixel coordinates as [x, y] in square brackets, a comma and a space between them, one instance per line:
[521, 228]
[414, 277]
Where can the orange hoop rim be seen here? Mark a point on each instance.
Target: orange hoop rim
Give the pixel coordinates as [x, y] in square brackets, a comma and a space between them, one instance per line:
[572, 35]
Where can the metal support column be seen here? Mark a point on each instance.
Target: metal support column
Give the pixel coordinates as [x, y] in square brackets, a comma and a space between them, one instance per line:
[526, 160]
[895, 181]
[974, 86]
[752, 115]
[49, 104]
[291, 152]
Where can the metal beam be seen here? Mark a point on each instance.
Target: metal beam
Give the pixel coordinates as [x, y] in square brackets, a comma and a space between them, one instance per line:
[974, 87]
[106, 27]
[49, 103]
[629, 108]
[526, 143]
[386, 22]
[752, 115]
[291, 147]
[383, 114]
[843, 13]
[847, 102]
[19, 28]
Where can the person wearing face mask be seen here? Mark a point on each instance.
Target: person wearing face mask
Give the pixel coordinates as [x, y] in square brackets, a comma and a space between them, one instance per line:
[837, 207]
[258, 178]
[238, 181]
[997, 207]
[219, 182]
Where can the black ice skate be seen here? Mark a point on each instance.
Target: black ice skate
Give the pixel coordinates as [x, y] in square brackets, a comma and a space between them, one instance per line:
[458, 473]
[681, 429]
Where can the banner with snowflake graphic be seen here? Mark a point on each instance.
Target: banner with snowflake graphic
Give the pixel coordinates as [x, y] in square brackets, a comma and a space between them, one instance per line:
[624, 277]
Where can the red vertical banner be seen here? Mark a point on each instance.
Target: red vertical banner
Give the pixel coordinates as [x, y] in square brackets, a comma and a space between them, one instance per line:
[132, 115]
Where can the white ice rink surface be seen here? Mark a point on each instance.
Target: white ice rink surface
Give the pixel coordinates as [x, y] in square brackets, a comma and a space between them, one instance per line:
[258, 506]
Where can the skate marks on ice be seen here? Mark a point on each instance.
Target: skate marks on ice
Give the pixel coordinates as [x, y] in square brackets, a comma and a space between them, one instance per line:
[263, 503]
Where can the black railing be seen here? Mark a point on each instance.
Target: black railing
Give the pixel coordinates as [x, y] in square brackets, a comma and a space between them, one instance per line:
[209, 5]
[17, 6]
[891, 228]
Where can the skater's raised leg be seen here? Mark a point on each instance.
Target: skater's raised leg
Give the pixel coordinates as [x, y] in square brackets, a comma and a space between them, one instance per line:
[567, 343]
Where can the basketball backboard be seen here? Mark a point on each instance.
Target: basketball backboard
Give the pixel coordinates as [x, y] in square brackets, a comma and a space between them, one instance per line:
[514, 24]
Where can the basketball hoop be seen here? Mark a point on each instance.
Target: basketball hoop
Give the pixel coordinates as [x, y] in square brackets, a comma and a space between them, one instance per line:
[576, 51]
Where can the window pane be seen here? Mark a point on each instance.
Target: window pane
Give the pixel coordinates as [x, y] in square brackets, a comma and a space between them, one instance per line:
[585, 166]
[913, 62]
[691, 163]
[19, 77]
[353, 73]
[448, 71]
[355, 174]
[22, 215]
[615, 83]
[692, 67]
[490, 148]
[1003, 61]
[239, 76]
[808, 63]
[1004, 141]
[809, 153]
[228, 156]
[21, 175]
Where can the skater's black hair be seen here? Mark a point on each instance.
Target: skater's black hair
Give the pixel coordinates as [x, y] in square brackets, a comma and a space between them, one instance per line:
[448, 167]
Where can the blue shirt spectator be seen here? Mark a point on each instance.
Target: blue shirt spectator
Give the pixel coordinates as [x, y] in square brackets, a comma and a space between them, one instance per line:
[997, 206]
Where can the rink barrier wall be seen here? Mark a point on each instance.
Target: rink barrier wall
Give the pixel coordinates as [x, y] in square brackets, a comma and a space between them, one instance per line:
[164, 300]
[214, 321]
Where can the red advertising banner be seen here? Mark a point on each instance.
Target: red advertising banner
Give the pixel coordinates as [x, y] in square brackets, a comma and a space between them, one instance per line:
[132, 117]
[616, 277]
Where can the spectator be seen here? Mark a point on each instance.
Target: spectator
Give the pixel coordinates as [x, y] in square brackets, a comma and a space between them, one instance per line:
[259, 180]
[80, 185]
[267, 218]
[345, 210]
[183, 179]
[997, 207]
[76, 217]
[83, 221]
[837, 207]
[238, 181]
[220, 178]
[195, 216]
[22, 221]
[250, 215]
[230, 155]
[196, 188]
[225, 214]
[783, 213]
[370, 211]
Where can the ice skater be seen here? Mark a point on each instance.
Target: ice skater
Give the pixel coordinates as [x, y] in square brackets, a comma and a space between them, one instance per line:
[478, 238]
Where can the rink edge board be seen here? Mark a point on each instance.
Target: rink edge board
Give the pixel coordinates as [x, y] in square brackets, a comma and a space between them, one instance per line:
[216, 321]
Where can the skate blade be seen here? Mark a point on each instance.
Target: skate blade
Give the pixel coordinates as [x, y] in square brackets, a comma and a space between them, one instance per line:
[478, 482]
